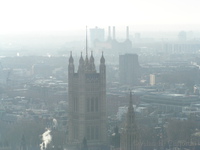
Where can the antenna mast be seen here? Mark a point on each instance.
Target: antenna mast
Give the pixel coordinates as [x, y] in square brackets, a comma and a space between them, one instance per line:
[86, 43]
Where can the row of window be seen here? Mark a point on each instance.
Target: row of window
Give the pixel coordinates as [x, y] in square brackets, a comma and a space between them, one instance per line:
[92, 132]
[92, 104]
[75, 132]
[75, 101]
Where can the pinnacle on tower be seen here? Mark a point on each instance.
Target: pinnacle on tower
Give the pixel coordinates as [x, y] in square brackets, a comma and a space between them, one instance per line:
[91, 58]
[81, 60]
[81, 63]
[71, 60]
[91, 63]
[102, 60]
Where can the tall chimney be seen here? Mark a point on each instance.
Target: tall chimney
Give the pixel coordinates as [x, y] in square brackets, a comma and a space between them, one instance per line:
[109, 33]
[127, 32]
[113, 32]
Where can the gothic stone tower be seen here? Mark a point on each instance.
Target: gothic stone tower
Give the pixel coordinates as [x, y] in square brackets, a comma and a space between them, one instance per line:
[87, 102]
[128, 139]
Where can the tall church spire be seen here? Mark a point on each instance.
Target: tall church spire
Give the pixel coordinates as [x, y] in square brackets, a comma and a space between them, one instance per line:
[130, 114]
[128, 138]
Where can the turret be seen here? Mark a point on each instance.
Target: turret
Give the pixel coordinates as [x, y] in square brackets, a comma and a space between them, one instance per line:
[102, 68]
[71, 65]
[81, 64]
[71, 60]
[91, 58]
[86, 63]
[102, 60]
[91, 64]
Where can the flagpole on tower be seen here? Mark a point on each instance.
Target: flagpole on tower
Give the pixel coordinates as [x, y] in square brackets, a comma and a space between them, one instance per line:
[86, 43]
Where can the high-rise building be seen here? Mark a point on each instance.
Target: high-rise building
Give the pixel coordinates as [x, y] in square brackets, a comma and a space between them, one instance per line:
[129, 69]
[97, 35]
[182, 36]
[87, 102]
[128, 140]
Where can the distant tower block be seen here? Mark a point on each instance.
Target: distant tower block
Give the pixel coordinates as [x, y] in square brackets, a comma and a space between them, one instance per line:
[129, 69]
[182, 36]
[87, 102]
[137, 37]
[97, 35]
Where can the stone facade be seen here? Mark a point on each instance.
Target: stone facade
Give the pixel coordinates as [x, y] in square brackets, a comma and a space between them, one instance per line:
[87, 103]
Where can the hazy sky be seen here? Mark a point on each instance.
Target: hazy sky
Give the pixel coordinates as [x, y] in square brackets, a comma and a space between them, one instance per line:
[57, 15]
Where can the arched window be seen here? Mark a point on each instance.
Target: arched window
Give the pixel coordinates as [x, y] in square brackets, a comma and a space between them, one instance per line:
[92, 104]
[75, 104]
[88, 105]
[96, 105]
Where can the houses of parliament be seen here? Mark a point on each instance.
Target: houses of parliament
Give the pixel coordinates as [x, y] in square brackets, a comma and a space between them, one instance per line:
[87, 102]
[87, 124]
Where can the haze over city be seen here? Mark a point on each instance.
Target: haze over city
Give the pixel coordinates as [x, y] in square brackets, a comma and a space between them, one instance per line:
[99, 75]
